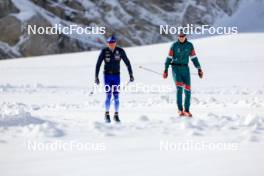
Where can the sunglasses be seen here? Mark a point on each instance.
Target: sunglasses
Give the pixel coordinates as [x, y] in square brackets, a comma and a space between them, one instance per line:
[181, 36]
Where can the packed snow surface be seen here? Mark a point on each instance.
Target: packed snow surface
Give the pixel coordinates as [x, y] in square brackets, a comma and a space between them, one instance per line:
[47, 100]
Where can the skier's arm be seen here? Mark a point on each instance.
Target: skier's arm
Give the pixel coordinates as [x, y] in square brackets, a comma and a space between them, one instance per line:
[169, 59]
[98, 64]
[195, 59]
[127, 62]
[168, 62]
[196, 62]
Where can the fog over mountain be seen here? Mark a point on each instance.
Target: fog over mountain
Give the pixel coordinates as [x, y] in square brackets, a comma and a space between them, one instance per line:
[135, 22]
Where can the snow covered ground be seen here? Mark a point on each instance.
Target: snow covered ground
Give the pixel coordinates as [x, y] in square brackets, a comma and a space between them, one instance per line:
[45, 102]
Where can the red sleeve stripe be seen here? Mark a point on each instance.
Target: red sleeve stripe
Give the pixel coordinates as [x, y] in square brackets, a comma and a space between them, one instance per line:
[170, 53]
[193, 53]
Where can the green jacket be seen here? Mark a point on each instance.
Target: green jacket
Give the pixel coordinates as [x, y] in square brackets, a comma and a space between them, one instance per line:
[180, 53]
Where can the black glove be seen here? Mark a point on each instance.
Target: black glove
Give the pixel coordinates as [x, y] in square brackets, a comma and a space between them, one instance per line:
[200, 73]
[131, 78]
[97, 81]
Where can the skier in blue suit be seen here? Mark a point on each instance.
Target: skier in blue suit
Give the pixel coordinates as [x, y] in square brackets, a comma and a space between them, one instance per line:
[112, 55]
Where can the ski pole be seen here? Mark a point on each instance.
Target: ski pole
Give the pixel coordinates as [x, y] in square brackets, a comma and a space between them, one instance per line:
[92, 91]
[126, 84]
[153, 71]
[150, 70]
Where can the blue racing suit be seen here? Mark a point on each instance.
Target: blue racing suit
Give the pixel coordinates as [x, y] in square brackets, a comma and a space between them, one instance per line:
[112, 73]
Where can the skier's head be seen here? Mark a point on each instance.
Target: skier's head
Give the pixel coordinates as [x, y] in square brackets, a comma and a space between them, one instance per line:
[181, 36]
[111, 42]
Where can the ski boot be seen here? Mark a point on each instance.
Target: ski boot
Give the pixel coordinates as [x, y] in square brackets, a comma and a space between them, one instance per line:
[181, 113]
[116, 117]
[187, 114]
[107, 117]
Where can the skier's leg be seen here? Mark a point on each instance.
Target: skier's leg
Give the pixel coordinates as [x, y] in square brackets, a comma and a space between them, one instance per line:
[187, 89]
[179, 98]
[116, 84]
[108, 101]
[116, 89]
[116, 99]
[187, 101]
[179, 85]
[108, 91]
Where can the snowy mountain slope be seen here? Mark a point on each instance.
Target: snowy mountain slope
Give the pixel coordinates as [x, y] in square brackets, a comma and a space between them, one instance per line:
[135, 22]
[46, 100]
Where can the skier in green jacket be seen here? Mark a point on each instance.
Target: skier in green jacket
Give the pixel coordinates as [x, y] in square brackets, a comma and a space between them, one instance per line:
[179, 55]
